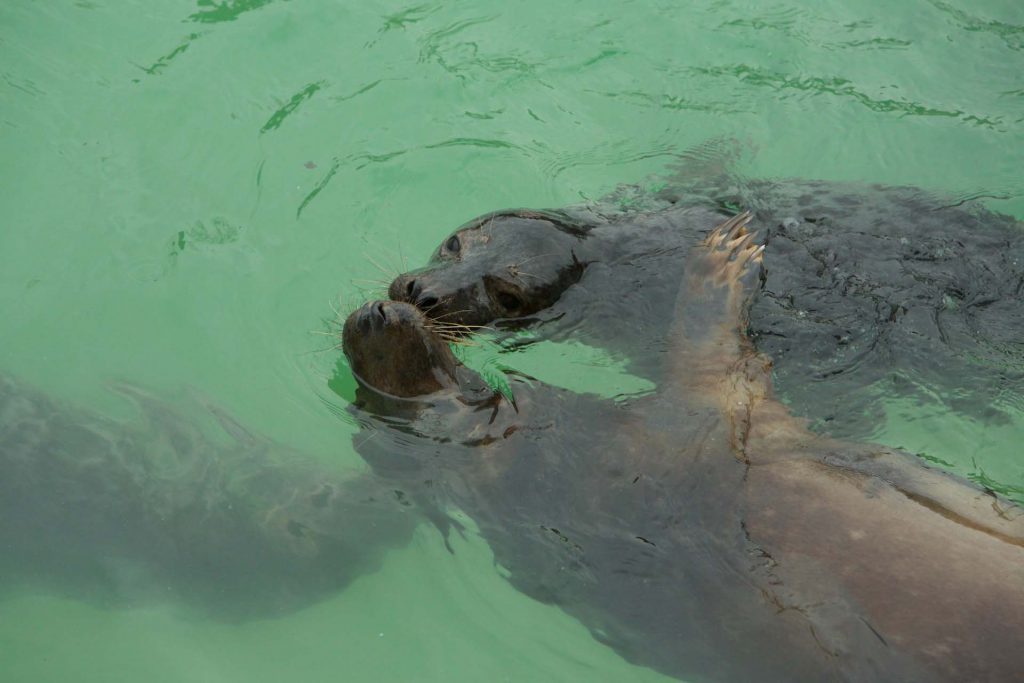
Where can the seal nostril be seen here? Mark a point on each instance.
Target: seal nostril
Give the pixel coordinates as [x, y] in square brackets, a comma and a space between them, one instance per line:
[378, 308]
[410, 290]
[426, 303]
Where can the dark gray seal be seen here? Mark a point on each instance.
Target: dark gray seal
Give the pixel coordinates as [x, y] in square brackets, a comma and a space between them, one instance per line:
[869, 289]
[164, 508]
[702, 530]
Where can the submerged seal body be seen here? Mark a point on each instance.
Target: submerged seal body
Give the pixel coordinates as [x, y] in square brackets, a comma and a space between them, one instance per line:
[702, 530]
[159, 508]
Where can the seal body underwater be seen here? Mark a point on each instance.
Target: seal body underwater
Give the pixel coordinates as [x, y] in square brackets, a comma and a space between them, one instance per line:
[702, 530]
[161, 509]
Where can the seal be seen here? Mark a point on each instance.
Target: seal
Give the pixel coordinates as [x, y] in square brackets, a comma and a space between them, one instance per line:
[703, 530]
[864, 284]
[162, 509]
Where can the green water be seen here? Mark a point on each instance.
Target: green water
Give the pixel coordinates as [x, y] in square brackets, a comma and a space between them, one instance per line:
[190, 188]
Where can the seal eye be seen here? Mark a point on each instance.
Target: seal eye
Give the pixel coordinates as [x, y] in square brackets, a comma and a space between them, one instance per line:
[452, 245]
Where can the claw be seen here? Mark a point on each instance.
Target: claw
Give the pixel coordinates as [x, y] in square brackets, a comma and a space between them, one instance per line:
[730, 229]
[741, 242]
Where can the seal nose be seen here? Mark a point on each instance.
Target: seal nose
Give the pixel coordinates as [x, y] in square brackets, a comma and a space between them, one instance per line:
[404, 288]
[410, 290]
[372, 316]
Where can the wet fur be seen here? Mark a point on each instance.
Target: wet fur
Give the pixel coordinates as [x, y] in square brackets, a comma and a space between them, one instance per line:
[707, 533]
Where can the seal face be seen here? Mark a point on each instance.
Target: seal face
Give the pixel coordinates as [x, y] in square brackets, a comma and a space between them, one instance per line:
[502, 265]
[393, 350]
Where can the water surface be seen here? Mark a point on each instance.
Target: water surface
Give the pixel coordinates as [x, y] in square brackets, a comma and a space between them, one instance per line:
[190, 190]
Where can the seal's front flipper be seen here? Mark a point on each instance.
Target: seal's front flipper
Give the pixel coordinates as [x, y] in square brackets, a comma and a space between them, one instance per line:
[708, 339]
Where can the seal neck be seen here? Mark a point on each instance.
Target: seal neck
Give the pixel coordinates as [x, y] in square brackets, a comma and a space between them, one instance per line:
[459, 385]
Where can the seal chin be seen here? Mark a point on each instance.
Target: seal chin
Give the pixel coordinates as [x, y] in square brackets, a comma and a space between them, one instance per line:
[393, 351]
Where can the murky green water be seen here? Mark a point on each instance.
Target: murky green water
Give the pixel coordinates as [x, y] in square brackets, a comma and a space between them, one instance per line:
[189, 188]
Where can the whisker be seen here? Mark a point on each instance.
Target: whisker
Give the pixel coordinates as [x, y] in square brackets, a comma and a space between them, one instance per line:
[380, 267]
[451, 323]
[336, 325]
[456, 325]
[427, 311]
[335, 309]
[387, 250]
[522, 274]
[459, 327]
[461, 341]
[534, 258]
[450, 313]
[336, 347]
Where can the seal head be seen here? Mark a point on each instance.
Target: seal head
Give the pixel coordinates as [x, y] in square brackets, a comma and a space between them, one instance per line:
[393, 351]
[503, 265]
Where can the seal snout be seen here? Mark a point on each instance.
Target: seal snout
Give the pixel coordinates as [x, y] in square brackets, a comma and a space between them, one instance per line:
[404, 288]
[375, 316]
[410, 289]
[370, 317]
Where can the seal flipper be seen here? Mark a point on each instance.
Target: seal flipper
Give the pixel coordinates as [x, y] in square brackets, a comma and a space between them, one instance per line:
[707, 341]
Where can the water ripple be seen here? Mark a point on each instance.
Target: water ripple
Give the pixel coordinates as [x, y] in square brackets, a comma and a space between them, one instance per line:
[162, 63]
[811, 30]
[319, 187]
[673, 102]
[217, 12]
[458, 57]
[23, 84]
[844, 88]
[1011, 34]
[472, 142]
[403, 18]
[618, 152]
[872, 43]
[360, 161]
[278, 117]
[359, 91]
[782, 20]
[433, 43]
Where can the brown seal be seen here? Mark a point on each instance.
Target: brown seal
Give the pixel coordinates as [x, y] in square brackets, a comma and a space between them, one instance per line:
[703, 530]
